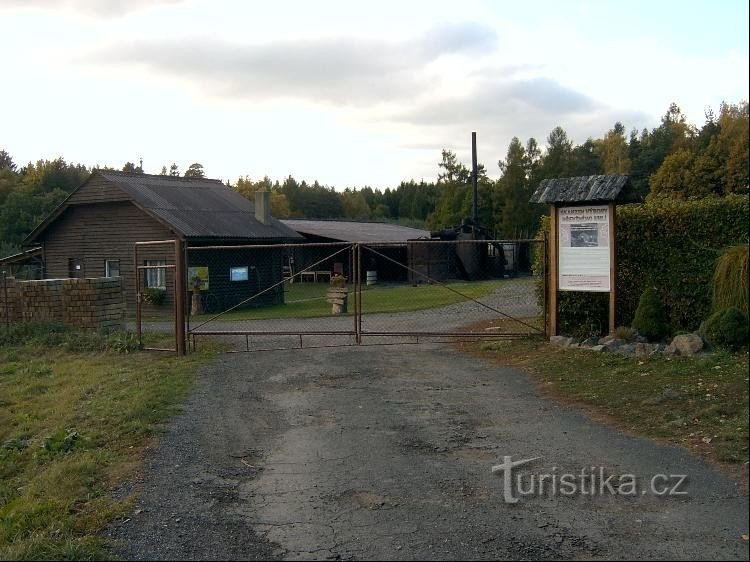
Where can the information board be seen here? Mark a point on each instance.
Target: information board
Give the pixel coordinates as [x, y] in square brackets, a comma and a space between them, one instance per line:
[584, 248]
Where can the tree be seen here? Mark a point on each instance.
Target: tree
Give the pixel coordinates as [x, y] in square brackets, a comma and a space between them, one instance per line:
[131, 168]
[355, 205]
[613, 151]
[6, 161]
[732, 147]
[195, 170]
[163, 171]
[716, 161]
[174, 170]
[557, 161]
[454, 173]
[676, 175]
[248, 188]
[585, 159]
[517, 217]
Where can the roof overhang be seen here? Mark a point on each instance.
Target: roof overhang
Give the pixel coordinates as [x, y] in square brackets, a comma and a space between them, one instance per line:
[583, 189]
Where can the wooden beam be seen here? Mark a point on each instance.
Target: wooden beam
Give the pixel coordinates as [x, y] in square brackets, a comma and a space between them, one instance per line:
[612, 268]
[552, 285]
[180, 295]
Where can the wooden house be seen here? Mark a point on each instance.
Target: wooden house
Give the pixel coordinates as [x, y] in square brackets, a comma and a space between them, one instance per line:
[94, 231]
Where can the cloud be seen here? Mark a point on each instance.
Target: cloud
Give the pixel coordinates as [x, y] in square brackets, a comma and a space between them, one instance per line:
[501, 100]
[98, 8]
[341, 71]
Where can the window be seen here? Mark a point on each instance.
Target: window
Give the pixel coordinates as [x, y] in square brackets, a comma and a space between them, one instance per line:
[156, 278]
[238, 273]
[111, 268]
[75, 268]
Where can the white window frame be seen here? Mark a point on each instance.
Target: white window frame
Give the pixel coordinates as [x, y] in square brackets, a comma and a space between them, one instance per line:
[156, 278]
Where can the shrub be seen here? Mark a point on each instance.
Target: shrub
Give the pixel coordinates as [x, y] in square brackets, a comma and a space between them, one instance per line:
[626, 333]
[154, 295]
[650, 319]
[730, 282]
[727, 329]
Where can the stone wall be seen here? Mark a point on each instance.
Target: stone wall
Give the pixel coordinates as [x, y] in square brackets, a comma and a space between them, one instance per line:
[97, 303]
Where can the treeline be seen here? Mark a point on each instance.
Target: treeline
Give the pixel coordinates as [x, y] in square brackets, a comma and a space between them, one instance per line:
[674, 159]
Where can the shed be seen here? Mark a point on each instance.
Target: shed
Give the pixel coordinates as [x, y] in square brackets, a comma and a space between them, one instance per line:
[390, 240]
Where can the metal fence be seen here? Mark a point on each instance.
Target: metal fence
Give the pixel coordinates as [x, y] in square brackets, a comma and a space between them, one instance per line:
[258, 297]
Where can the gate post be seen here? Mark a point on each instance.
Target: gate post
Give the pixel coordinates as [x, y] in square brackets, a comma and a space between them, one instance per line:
[358, 293]
[180, 291]
[137, 275]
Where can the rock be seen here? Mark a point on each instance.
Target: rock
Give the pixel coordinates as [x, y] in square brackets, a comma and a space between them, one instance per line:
[561, 341]
[597, 348]
[628, 350]
[606, 339]
[590, 342]
[612, 344]
[639, 338]
[685, 344]
[646, 349]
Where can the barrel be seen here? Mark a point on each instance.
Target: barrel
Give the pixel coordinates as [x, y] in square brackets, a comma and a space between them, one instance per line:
[372, 277]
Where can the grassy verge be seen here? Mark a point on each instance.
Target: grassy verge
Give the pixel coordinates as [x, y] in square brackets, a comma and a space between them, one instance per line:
[308, 300]
[700, 404]
[72, 425]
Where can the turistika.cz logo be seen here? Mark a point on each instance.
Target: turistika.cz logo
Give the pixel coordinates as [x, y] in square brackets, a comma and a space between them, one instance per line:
[589, 481]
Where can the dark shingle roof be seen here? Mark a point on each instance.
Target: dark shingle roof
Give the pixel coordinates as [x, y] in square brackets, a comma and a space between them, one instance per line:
[352, 231]
[198, 207]
[584, 188]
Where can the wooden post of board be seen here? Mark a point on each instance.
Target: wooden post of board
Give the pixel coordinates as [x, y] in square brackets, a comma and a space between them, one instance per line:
[180, 295]
[552, 282]
[612, 267]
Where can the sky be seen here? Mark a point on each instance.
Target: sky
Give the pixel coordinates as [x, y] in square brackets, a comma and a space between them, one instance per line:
[350, 93]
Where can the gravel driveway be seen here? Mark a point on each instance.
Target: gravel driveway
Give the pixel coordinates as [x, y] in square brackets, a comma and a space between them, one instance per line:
[385, 453]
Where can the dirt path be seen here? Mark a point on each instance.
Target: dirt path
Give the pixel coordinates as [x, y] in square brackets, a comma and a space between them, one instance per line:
[385, 452]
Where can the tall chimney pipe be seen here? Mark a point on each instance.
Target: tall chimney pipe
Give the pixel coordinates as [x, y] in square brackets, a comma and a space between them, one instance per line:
[263, 207]
[474, 177]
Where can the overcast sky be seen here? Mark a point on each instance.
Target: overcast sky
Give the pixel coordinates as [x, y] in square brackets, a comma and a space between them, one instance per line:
[350, 93]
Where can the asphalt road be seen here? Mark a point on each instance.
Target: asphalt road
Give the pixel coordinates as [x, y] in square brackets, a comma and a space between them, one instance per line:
[386, 453]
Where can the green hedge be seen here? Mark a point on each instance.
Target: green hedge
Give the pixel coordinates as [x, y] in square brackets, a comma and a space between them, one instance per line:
[669, 244]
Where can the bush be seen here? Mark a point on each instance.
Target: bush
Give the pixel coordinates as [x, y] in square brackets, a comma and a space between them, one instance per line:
[667, 243]
[673, 245]
[650, 319]
[154, 295]
[730, 282]
[727, 329]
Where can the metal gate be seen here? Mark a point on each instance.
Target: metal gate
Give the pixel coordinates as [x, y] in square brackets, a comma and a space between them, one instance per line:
[159, 296]
[281, 296]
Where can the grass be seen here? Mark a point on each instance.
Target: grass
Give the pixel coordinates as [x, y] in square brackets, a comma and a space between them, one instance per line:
[730, 286]
[73, 425]
[700, 404]
[308, 300]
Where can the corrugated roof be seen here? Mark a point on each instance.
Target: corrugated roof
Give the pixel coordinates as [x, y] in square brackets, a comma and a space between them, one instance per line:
[198, 207]
[584, 188]
[353, 231]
